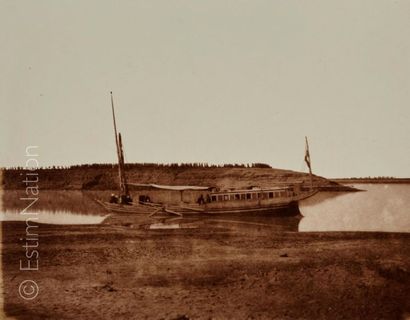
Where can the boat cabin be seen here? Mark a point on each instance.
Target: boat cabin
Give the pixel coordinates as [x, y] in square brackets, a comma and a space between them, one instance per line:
[207, 195]
[254, 194]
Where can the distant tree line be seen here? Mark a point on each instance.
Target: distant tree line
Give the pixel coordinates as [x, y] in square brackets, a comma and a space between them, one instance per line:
[372, 178]
[148, 165]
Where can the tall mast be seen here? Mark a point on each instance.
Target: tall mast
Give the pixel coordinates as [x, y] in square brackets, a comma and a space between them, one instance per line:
[308, 162]
[120, 174]
[124, 186]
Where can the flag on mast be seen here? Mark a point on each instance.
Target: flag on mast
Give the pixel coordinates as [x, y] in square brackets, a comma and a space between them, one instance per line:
[309, 163]
[307, 155]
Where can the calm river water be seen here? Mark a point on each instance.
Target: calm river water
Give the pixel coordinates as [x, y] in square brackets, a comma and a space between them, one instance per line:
[380, 207]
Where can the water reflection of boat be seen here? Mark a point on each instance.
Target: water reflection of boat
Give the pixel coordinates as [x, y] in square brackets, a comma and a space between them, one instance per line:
[231, 223]
[179, 200]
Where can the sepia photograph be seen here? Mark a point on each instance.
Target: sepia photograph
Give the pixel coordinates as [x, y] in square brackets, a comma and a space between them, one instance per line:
[210, 160]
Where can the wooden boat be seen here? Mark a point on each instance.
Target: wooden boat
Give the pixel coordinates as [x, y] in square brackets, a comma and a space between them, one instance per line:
[155, 199]
[204, 200]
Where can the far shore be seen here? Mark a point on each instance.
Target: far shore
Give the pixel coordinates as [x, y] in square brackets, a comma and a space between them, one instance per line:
[371, 180]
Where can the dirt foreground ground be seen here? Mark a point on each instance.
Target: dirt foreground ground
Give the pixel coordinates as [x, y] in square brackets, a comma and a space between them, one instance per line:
[119, 270]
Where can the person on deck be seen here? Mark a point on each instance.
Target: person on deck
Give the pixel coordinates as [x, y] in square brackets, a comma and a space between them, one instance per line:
[113, 198]
[201, 200]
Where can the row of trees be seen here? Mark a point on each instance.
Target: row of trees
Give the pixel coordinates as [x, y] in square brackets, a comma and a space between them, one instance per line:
[150, 165]
[372, 178]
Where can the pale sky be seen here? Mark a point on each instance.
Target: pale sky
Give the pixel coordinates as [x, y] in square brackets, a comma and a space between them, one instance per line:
[209, 81]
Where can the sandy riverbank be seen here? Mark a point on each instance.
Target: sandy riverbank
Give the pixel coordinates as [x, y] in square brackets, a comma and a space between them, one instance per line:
[119, 270]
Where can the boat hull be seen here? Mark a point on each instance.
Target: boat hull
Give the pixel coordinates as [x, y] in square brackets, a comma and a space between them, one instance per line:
[126, 208]
[285, 209]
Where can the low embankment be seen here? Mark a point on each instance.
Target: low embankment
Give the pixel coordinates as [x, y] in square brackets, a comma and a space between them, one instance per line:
[105, 177]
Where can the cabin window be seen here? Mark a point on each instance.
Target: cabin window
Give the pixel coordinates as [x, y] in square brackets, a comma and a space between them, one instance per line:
[226, 197]
[220, 198]
[283, 194]
[237, 196]
[254, 196]
[243, 196]
[213, 198]
[248, 196]
[260, 195]
[270, 195]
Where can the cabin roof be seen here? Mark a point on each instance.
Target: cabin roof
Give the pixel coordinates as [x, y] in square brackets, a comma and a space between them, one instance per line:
[254, 190]
[166, 187]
